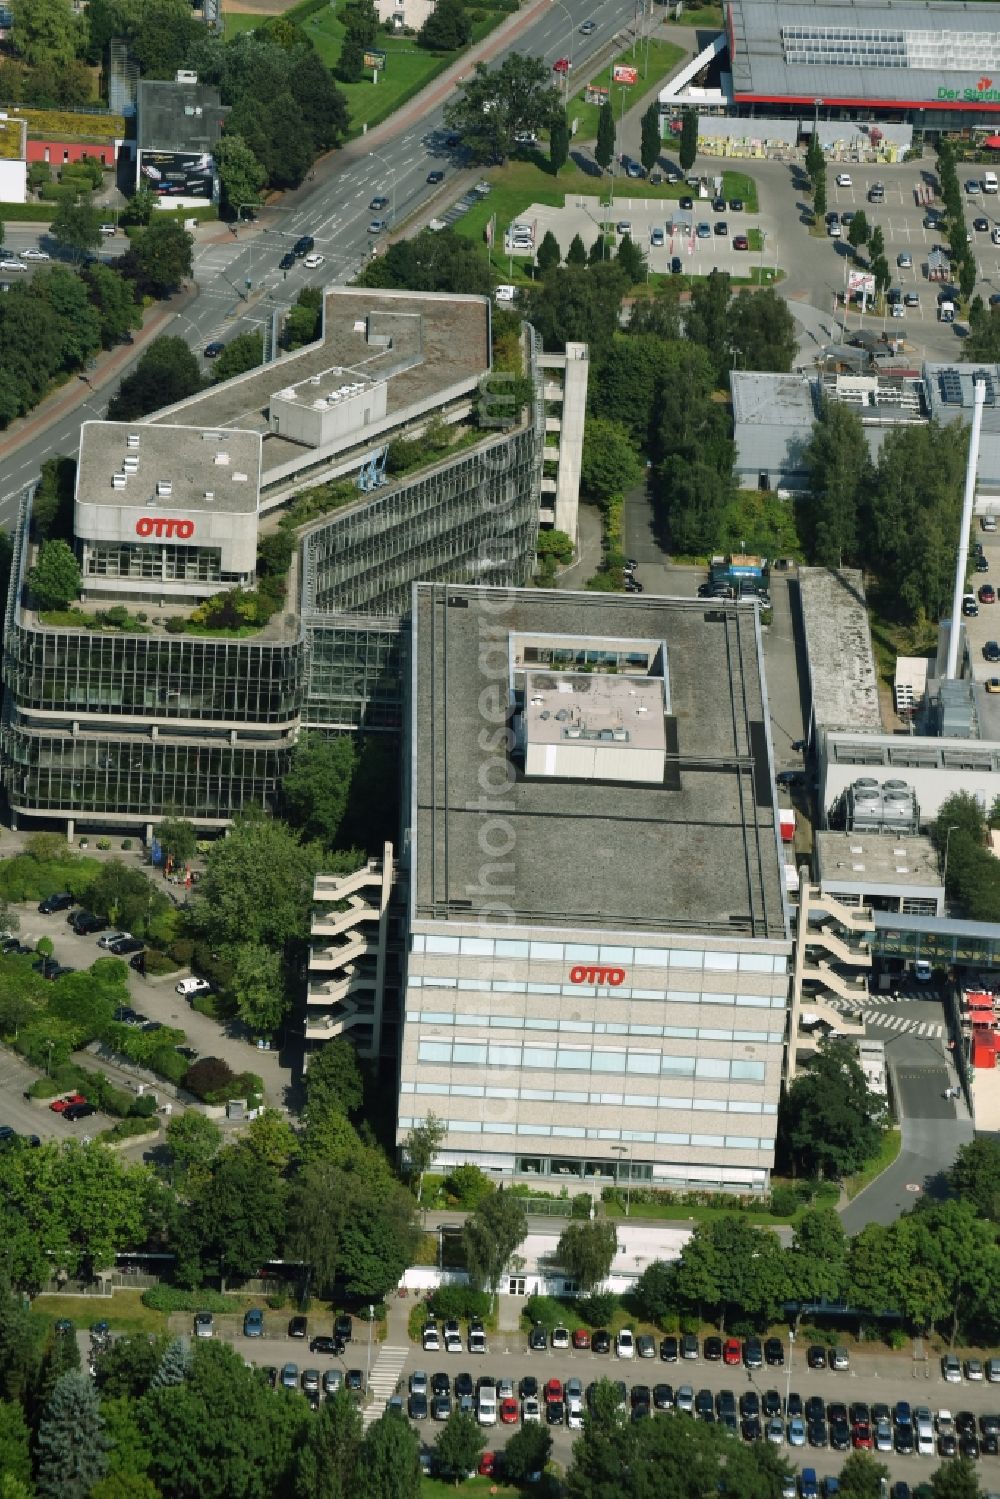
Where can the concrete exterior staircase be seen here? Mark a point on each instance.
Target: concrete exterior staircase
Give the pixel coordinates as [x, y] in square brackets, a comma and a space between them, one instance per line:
[821, 973]
[853, 918]
[838, 948]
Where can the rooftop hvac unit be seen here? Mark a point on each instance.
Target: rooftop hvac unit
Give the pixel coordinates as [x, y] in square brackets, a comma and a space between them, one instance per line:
[896, 786]
[164, 488]
[222, 458]
[130, 465]
[239, 478]
[865, 781]
[118, 481]
[132, 440]
[209, 494]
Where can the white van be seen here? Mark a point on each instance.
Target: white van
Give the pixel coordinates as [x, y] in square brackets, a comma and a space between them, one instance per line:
[505, 292]
[487, 1405]
[990, 182]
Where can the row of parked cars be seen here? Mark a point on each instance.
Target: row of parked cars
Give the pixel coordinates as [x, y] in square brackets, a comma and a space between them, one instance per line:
[753, 1353]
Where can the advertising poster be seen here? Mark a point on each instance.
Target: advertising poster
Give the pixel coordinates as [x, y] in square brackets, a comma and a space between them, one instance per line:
[178, 174]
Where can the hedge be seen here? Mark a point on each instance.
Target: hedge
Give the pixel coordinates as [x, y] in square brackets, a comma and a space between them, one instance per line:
[27, 213]
[24, 878]
[126, 1129]
[172, 1299]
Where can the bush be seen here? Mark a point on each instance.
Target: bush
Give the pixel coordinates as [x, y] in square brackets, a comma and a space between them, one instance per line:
[468, 1185]
[173, 1299]
[126, 1129]
[784, 1202]
[127, 842]
[210, 1079]
[182, 950]
[158, 962]
[169, 1064]
[143, 1107]
[462, 1302]
[26, 878]
[599, 1307]
[581, 1205]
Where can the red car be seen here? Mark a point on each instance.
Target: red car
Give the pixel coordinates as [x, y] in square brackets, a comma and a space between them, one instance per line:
[60, 1105]
[553, 1392]
[987, 594]
[561, 65]
[508, 1411]
[732, 1353]
[741, 242]
[861, 1438]
[488, 1464]
[581, 1338]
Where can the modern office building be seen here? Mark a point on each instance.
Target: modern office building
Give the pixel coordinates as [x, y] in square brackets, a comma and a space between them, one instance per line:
[114, 724]
[598, 945]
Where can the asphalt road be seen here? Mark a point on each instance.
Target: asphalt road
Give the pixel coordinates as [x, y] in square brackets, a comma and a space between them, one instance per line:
[239, 284]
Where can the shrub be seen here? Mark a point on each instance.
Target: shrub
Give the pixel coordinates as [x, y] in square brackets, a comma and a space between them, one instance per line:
[581, 1205]
[158, 962]
[169, 1064]
[897, 1339]
[143, 1107]
[125, 1129]
[126, 842]
[784, 1202]
[210, 1079]
[173, 1299]
[462, 1302]
[599, 1307]
[468, 1185]
[183, 950]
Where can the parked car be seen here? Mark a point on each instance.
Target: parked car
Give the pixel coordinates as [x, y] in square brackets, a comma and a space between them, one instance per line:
[253, 1323]
[538, 1338]
[625, 1343]
[77, 1111]
[60, 902]
[60, 1105]
[204, 1325]
[645, 1346]
[191, 987]
[298, 1327]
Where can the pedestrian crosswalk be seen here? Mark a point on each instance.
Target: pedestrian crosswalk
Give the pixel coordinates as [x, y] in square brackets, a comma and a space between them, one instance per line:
[889, 1020]
[383, 1381]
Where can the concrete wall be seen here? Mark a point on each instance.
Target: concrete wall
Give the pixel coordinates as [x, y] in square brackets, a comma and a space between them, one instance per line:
[13, 182]
[574, 369]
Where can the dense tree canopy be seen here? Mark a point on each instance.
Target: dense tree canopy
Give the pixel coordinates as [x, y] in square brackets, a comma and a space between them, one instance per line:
[495, 105]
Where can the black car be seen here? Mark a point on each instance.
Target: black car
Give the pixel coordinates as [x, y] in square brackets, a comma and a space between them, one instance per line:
[298, 1327]
[440, 1384]
[989, 1426]
[538, 1338]
[343, 1328]
[816, 1357]
[991, 651]
[441, 1408]
[303, 245]
[771, 1403]
[753, 1354]
[947, 1444]
[85, 923]
[750, 1428]
[749, 1403]
[433, 178]
[354, 1380]
[464, 1387]
[126, 945]
[836, 1411]
[817, 1434]
[214, 349]
[793, 1405]
[78, 1111]
[600, 1342]
[687, 204]
[774, 1353]
[125, 1015]
[815, 1408]
[860, 1413]
[981, 225]
[736, 205]
[418, 1407]
[725, 1404]
[668, 1350]
[792, 778]
[663, 1397]
[704, 1402]
[840, 1436]
[528, 1387]
[61, 902]
[675, 265]
[57, 971]
[287, 261]
[325, 1344]
[712, 1349]
[555, 1413]
[965, 1423]
[718, 205]
[989, 1444]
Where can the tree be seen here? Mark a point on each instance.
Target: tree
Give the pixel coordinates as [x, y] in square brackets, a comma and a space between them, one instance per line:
[859, 230]
[71, 1445]
[322, 103]
[459, 1446]
[762, 332]
[604, 149]
[830, 1122]
[241, 175]
[161, 256]
[631, 259]
[708, 321]
[328, 1463]
[76, 224]
[244, 352]
[839, 467]
[77, 323]
[303, 321]
[548, 254]
[819, 195]
[128, 1366]
[47, 33]
[610, 463]
[586, 1250]
[956, 1479]
[651, 137]
[166, 372]
[983, 342]
[236, 1218]
[55, 578]
[422, 1145]
[577, 253]
[862, 1477]
[333, 1080]
[876, 243]
[257, 886]
[558, 141]
[656, 1290]
[975, 1176]
[174, 1365]
[526, 1453]
[316, 787]
[446, 28]
[491, 1235]
[494, 106]
[113, 300]
[350, 64]
[967, 275]
[818, 1259]
[15, 1449]
[882, 274]
[688, 146]
[177, 838]
[258, 986]
[390, 1460]
[576, 305]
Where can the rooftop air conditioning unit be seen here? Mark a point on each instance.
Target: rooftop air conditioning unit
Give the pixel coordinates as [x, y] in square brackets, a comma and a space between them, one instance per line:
[118, 481]
[209, 494]
[164, 488]
[132, 440]
[222, 459]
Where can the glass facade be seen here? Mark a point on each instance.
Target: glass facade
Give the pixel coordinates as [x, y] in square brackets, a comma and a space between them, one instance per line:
[116, 726]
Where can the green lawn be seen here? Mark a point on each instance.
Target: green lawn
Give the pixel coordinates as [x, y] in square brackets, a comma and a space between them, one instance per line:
[709, 16]
[233, 23]
[124, 1311]
[408, 67]
[891, 1142]
[652, 62]
[436, 1488]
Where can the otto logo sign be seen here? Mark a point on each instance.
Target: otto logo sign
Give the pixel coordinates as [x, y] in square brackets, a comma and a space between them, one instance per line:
[164, 527]
[982, 93]
[584, 974]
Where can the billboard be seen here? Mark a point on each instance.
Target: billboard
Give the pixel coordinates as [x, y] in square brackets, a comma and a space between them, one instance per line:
[620, 73]
[178, 174]
[861, 281]
[375, 60]
[595, 94]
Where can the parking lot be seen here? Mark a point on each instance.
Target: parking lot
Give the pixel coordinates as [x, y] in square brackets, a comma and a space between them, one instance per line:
[984, 626]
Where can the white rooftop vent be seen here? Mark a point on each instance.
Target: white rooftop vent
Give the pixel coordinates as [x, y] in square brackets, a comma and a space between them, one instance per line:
[222, 458]
[209, 494]
[132, 440]
[900, 853]
[288, 394]
[858, 868]
[315, 379]
[118, 481]
[857, 848]
[164, 488]
[131, 465]
[239, 478]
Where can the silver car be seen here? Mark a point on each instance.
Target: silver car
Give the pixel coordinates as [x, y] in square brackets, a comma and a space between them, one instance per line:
[684, 1399]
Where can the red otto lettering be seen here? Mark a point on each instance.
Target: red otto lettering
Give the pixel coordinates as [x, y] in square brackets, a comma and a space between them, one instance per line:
[164, 526]
[587, 975]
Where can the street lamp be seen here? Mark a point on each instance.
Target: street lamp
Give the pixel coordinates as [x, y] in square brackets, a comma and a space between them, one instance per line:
[368, 1368]
[392, 183]
[619, 1151]
[788, 1372]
